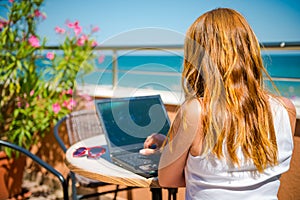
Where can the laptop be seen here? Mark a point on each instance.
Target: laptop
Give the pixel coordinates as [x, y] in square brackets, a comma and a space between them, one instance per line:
[127, 122]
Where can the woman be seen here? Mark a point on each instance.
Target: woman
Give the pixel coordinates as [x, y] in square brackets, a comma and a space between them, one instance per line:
[231, 139]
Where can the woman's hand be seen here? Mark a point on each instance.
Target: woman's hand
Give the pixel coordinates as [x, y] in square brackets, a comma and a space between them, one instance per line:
[153, 144]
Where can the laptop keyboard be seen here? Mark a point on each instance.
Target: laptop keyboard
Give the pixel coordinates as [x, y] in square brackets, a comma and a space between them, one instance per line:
[145, 163]
[135, 158]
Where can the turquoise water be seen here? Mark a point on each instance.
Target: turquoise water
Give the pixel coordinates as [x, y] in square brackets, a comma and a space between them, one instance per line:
[163, 72]
[284, 66]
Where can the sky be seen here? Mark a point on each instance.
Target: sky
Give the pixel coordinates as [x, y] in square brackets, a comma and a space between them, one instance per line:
[138, 22]
[125, 22]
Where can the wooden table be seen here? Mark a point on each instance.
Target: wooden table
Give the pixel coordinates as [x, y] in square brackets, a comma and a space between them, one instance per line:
[104, 170]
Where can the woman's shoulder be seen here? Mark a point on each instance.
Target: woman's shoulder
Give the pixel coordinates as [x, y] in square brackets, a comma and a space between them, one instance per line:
[290, 107]
[286, 102]
[192, 105]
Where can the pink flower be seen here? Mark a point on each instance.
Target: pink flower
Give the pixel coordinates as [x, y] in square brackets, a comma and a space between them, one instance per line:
[95, 29]
[69, 24]
[10, 1]
[94, 43]
[37, 13]
[72, 103]
[69, 91]
[34, 41]
[81, 40]
[75, 26]
[101, 59]
[77, 30]
[59, 30]
[69, 104]
[31, 93]
[3, 23]
[50, 55]
[56, 108]
[65, 104]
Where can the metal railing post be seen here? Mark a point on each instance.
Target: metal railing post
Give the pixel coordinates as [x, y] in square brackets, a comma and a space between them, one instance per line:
[114, 69]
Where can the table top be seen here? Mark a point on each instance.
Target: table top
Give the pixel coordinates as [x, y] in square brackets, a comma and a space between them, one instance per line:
[102, 169]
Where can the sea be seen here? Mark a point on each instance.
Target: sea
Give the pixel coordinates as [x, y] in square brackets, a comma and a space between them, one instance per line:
[163, 72]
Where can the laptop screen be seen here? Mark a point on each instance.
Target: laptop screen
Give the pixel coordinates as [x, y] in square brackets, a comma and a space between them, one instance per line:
[129, 121]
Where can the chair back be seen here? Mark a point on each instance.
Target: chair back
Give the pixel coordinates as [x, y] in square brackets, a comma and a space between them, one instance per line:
[83, 124]
[38, 160]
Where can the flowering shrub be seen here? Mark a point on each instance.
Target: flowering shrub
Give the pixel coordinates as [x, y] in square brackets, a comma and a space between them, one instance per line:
[36, 84]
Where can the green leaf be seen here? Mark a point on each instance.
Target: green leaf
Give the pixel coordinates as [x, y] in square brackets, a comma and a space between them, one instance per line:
[11, 36]
[19, 64]
[16, 113]
[20, 75]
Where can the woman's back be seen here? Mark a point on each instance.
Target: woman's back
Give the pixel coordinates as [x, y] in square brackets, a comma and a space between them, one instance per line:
[209, 177]
[228, 116]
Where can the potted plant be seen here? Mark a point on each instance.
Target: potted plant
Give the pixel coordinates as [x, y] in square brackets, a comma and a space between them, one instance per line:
[36, 84]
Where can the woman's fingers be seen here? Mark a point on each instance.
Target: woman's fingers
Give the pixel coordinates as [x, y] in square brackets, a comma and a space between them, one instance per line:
[148, 151]
[150, 140]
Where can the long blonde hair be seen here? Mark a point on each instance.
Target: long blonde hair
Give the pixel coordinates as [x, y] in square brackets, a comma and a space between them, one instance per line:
[223, 66]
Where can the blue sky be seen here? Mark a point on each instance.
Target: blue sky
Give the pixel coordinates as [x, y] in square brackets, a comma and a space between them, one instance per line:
[166, 21]
[272, 20]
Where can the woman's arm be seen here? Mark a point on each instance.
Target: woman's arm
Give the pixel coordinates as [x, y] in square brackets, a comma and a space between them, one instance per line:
[184, 130]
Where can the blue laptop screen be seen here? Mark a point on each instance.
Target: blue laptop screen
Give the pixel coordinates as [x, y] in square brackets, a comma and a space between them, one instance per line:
[130, 120]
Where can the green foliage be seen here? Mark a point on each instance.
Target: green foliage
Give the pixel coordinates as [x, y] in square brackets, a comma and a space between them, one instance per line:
[35, 97]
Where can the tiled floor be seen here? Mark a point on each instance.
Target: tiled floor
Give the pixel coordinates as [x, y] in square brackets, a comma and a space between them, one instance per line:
[145, 194]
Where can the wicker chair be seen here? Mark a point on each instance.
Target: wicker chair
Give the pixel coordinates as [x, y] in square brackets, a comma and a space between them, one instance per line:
[81, 125]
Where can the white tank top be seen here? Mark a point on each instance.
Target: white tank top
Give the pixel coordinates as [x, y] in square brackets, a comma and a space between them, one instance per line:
[209, 178]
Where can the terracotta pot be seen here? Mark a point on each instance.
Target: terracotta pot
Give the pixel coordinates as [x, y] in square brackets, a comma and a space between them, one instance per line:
[11, 175]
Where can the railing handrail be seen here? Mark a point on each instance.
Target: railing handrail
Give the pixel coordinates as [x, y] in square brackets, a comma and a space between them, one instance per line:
[288, 45]
[173, 73]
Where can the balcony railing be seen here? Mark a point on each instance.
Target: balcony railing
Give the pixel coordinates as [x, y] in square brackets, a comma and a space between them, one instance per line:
[116, 51]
